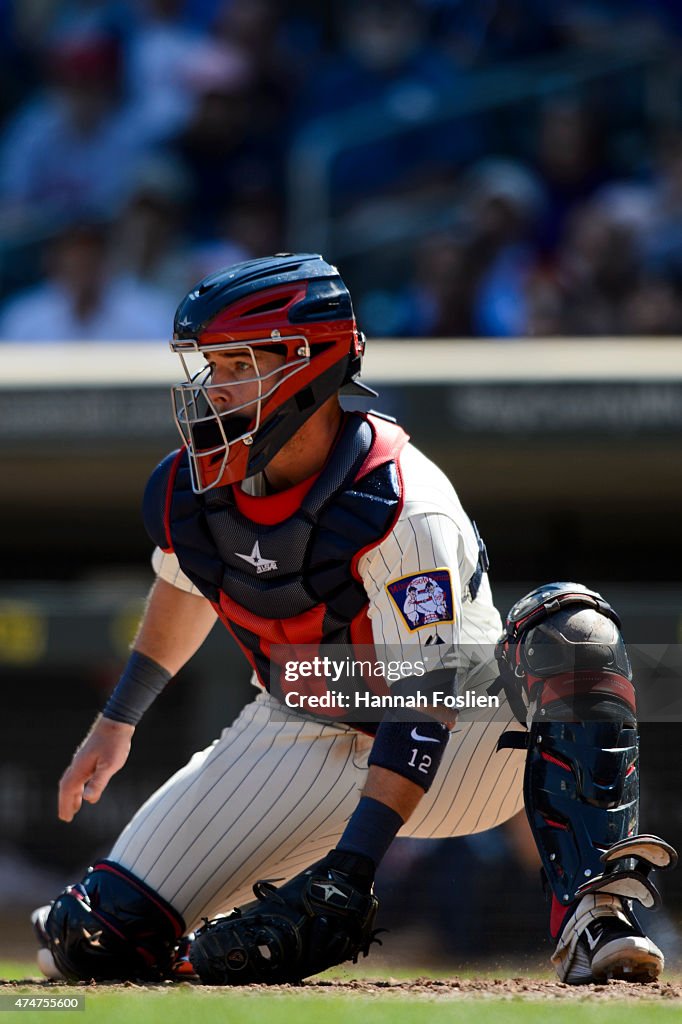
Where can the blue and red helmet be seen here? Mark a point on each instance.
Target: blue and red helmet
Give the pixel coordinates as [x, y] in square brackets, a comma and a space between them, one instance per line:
[293, 304]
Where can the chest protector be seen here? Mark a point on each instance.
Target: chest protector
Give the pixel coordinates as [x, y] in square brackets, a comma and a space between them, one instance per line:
[291, 582]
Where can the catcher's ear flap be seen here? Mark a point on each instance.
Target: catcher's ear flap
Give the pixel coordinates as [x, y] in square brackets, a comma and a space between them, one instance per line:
[358, 389]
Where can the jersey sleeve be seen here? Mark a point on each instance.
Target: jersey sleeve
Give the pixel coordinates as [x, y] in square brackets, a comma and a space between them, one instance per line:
[167, 568]
[413, 582]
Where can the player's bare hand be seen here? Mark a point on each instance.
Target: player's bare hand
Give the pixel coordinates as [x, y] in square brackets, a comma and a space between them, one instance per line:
[103, 752]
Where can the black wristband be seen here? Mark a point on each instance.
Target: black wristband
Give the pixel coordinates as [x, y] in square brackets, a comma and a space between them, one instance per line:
[411, 746]
[371, 829]
[142, 681]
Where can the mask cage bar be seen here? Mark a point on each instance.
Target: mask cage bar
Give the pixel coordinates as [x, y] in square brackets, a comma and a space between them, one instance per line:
[186, 396]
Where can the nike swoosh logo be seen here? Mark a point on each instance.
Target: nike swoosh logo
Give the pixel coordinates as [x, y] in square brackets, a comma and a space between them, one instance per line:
[590, 941]
[423, 739]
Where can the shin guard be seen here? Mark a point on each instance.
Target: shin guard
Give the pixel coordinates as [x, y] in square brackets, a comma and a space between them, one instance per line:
[564, 659]
[112, 926]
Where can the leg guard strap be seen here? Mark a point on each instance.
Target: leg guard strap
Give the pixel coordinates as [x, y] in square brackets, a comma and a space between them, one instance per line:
[112, 925]
[628, 866]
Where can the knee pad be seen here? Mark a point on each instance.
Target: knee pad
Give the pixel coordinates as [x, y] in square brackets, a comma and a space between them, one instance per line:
[563, 660]
[112, 925]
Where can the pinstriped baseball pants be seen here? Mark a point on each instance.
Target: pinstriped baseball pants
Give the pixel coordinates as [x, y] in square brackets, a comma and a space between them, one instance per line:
[273, 794]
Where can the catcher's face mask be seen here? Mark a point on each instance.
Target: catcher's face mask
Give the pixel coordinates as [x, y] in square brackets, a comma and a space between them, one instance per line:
[236, 415]
[229, 391]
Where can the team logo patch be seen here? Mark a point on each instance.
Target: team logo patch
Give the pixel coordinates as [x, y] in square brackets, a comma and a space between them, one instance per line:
[423, 599]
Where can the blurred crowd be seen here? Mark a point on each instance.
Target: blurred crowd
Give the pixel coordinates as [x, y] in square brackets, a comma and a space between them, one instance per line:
[145, 144]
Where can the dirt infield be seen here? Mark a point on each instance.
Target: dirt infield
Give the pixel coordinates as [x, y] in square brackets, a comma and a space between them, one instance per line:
[422, 988]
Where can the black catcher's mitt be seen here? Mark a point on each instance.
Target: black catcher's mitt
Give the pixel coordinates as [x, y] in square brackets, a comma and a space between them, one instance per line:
[318, 919]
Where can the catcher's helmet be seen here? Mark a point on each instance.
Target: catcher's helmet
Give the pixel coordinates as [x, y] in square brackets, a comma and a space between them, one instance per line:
[295, 305]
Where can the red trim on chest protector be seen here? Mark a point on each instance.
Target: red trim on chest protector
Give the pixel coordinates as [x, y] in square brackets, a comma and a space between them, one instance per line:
[389, 441]
[248, 654]
[361, 629]
[305, 628]
[269, 509]
[170, 487]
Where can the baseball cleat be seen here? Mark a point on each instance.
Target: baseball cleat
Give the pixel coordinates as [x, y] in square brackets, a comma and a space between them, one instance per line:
[47, 965]
[44, 958]
[602, 940]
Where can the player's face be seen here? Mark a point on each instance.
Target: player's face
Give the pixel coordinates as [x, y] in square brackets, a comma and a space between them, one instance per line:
[239, 378]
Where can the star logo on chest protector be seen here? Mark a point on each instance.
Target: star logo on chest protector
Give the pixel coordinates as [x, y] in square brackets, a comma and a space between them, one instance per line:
[255, 558]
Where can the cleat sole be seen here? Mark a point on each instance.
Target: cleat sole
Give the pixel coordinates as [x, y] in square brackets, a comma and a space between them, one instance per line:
[47, 965]
[636, 960]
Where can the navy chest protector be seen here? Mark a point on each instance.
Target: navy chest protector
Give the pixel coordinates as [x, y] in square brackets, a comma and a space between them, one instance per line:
[293, 582]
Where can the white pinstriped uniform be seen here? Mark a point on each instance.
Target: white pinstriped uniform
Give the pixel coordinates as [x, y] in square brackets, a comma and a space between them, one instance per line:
[275, 791]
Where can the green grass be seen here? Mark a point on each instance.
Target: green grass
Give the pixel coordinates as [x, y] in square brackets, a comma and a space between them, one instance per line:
[185, 1006]
[11, 969]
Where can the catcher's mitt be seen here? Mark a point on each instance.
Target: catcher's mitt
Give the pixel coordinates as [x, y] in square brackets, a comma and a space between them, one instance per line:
[318, 919]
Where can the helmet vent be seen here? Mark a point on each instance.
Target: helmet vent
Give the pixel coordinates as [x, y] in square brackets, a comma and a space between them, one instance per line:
[268, 307]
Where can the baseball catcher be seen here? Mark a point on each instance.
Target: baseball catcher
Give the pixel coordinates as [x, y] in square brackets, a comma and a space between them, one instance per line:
[303, 527]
